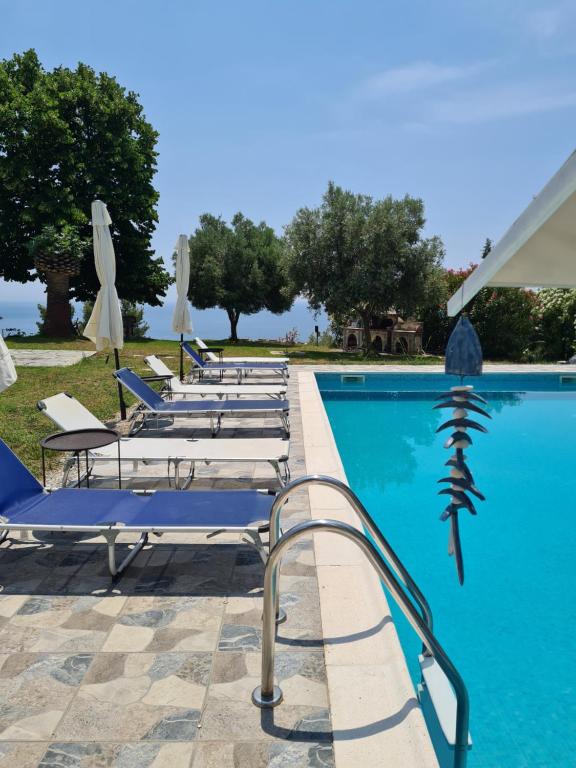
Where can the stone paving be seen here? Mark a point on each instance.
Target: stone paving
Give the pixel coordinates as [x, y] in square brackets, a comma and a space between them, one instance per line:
[43, 358]
[156, 669]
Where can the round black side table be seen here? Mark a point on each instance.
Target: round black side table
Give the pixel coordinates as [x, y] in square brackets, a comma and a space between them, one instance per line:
[204, 355]
[215, 350]
[79, 441]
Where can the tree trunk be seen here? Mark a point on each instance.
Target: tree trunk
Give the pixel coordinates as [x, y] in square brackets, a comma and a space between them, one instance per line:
[366, 336]
[233, 316]
[58, 318]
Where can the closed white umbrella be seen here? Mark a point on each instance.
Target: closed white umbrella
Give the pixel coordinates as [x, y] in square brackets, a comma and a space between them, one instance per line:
[8, 373]
[181, 321]
[105, 327]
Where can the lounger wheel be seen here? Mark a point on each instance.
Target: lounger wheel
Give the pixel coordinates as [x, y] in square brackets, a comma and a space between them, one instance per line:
[267, 702]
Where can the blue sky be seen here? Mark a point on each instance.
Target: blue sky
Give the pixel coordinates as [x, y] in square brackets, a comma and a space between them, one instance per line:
[469, 105]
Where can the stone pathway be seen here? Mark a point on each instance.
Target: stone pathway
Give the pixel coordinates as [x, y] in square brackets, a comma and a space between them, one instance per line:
[41, 358]
[157, 669]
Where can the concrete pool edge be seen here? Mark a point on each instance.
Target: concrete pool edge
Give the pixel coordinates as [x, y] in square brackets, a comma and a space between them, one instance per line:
[373, 704]
[394, 368]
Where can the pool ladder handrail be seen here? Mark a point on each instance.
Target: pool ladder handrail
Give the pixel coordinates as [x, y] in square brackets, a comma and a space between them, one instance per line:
[267, 694]
[368, 522]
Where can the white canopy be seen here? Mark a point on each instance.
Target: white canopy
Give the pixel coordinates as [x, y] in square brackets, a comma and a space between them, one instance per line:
[539, 249]
[105, 327]
[7, 369]
[181, 322]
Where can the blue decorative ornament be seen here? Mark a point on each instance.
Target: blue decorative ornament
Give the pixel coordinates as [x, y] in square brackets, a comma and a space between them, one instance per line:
[463, 351]
[463, 358]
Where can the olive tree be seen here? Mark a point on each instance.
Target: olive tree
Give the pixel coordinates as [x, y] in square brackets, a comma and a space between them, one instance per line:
[240, 268]
[354, 255]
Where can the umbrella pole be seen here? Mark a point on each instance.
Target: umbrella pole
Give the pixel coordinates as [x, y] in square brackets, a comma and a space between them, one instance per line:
[120, 392]
[181, 358]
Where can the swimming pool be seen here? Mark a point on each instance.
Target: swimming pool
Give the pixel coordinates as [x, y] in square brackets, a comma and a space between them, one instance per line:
[509, 629]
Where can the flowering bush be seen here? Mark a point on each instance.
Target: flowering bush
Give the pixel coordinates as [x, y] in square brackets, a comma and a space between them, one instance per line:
[505, 319]
[556, 323]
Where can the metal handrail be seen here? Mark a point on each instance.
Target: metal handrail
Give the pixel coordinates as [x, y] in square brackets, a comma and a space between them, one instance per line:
[268, 695]
[366, 518]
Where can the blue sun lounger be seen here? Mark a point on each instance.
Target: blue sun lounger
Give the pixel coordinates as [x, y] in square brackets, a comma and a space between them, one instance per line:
[153, 406]
[24, 504]
[281, 369]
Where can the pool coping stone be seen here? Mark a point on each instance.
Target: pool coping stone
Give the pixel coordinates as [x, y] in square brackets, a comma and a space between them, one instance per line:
[376, 717]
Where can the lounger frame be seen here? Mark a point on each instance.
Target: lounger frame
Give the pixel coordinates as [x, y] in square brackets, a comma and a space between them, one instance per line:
[110, 533]
[144, 418]
[144, 413]
[67, 413]
[176, 479]
[202, 346]
[281, 369]
[26, 505]
[173, 388]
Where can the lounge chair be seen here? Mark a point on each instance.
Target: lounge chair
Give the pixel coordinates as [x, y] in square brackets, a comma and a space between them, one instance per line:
[68, 414]
[25, 505]
[212, 357]
[279, 369]
[173, 387]
[153, 407]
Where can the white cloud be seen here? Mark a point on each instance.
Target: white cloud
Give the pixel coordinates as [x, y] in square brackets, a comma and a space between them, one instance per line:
[498, 103]
[424, 96]
[544, 24]
[414, 77]
[552, 28]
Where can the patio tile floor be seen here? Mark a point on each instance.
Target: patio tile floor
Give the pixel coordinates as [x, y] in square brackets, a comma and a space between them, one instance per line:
[156, 669]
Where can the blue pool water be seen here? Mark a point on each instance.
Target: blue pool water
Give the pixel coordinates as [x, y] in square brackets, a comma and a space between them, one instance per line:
[510, 628]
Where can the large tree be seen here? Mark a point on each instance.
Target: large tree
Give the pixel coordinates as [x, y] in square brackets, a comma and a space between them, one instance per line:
[67, 137]
[357, 256]
[239, 268]
[57, 257]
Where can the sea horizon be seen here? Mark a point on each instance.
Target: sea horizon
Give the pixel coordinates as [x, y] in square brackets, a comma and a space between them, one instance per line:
[207, 323]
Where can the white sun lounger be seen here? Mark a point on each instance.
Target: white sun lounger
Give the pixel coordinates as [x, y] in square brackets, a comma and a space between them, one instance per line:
[69, 414]
[173, 385]
[212, 357]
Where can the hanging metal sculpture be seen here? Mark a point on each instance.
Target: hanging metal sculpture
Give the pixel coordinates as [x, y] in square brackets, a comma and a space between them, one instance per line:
[463, 358]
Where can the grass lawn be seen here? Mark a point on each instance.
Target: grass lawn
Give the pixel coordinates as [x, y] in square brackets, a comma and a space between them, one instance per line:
[300, 353]
[91, 382]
